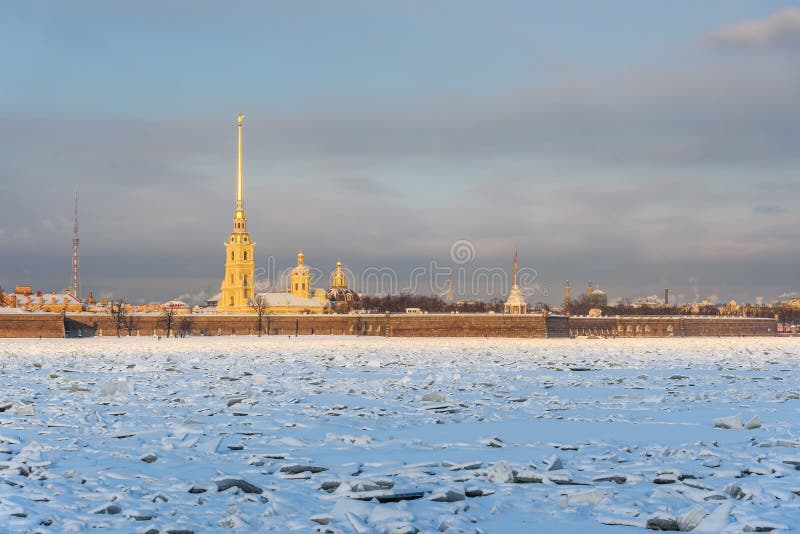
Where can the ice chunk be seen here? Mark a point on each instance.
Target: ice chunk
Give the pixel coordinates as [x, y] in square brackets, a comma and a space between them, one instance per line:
[114, 387]
[22, 409]
[717, 520]
[662, 521]
[753, 423]
[245, 486]
[591, 498]
[447, 495]
[689, 521]
[733, 422]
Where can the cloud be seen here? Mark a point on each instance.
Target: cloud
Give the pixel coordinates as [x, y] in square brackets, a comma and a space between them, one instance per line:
[623, 177]
[779, 28]
[769, 209]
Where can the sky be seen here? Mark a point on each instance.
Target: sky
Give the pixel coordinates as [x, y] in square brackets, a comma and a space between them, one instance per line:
[637, 144]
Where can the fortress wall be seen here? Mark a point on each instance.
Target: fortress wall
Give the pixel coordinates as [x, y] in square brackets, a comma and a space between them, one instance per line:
[427, 325]
[400, 325]
[660, 326]
[31, 325]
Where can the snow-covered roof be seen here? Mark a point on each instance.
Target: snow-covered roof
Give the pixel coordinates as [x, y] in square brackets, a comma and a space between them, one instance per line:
[175, 304]
[46, 298]
[515, 297]
[288, 299]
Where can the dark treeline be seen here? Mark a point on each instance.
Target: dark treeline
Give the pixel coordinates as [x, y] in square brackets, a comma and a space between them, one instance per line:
[433, 304]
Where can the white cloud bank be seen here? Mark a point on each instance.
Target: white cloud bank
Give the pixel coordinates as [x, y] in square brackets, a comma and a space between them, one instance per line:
[780, 27]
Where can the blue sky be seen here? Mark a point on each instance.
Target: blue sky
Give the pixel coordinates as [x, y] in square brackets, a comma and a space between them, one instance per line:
[637, 144]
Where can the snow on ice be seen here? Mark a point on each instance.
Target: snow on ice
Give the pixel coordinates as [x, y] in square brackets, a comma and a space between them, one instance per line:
[347, 434]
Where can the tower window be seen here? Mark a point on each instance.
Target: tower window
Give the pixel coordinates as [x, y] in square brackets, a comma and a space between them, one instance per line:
[231, 301]
[295, 287]
[245, 280]
[304, 285]
[245, 255]
[231, 278]
[231, 254]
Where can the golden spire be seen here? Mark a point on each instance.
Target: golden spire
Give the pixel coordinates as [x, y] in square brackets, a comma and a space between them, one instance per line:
[516, 264]
[239, 186]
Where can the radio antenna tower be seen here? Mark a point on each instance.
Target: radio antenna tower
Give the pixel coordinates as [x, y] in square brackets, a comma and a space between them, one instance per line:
[75, 277]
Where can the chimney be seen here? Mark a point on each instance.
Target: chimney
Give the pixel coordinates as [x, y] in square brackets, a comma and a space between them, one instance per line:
[666, 297]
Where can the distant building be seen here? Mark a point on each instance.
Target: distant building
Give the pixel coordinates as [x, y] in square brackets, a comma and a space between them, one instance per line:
[597, 298]
[178, 306]
[792, 303]
[24, 298]
[515, 303]
[651, 301]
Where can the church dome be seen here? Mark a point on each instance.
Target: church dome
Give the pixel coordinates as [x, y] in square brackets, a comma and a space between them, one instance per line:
[343, 294]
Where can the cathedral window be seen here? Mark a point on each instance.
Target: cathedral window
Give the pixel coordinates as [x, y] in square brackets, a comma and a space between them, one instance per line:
[231, 254]
[245, 255]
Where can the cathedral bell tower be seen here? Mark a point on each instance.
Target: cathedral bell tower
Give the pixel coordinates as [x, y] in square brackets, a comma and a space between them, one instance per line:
[237, 286]
[300, 279]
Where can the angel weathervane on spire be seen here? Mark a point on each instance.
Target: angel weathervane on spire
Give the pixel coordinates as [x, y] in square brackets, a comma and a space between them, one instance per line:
[240, 119]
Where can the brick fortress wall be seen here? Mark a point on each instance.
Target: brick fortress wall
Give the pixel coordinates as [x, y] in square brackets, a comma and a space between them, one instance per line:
[31, 325]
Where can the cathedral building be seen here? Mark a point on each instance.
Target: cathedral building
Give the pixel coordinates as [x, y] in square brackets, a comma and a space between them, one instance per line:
[237, 291]
[237, 286]
[300, 298]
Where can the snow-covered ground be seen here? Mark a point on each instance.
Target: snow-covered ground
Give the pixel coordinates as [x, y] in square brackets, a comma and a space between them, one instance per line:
[346, 434]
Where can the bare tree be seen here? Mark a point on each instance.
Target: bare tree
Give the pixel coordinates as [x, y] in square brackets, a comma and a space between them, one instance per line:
[260, 306]
[130, 323]
[168, 318]
[185, 326]
[118, 315]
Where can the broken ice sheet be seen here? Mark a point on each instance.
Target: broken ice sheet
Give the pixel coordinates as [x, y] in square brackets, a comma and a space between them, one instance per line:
[397, 434]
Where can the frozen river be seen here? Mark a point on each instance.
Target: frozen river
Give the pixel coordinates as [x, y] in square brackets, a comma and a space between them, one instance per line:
[346, 434]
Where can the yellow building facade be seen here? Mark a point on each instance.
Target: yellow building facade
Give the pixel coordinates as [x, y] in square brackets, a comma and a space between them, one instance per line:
[300, 279]
[237, 288]
[338, 279]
